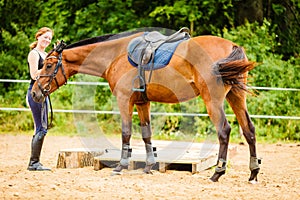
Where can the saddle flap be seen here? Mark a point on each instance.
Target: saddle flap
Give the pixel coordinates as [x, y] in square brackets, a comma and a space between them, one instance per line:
[155, 36]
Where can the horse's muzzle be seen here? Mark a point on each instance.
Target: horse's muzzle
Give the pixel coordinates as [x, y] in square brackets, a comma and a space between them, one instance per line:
[38, 96]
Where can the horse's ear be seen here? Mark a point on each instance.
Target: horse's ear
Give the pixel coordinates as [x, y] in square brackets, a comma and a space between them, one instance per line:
[56, 44]
[60, 46]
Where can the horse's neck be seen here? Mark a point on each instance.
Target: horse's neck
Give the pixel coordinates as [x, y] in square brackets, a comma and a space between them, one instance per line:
[95, 59]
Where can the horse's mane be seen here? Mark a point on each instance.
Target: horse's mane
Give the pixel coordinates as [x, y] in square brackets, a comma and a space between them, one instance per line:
[102, 38]
[51, 51]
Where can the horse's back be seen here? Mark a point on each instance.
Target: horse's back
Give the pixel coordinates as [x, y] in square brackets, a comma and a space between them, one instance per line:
[215, 47]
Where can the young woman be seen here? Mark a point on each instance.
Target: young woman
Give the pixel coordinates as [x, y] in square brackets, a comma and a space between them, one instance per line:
[39, 111]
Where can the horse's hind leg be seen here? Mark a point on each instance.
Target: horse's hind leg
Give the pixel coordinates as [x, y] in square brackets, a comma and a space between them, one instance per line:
[144, 115]
[238, 105]
[217, 116]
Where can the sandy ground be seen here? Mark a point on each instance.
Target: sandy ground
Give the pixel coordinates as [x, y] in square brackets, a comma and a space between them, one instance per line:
[279, 177]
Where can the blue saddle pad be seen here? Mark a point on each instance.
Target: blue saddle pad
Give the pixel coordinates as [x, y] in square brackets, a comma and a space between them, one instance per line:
[162, 56]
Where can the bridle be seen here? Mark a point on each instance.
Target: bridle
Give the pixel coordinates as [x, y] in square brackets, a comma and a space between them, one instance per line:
[46, 90]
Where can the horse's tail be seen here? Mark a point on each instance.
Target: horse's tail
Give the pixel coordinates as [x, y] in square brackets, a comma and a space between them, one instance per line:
[234, 69]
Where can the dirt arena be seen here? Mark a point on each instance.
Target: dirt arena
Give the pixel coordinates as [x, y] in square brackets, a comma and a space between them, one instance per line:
[279, 177]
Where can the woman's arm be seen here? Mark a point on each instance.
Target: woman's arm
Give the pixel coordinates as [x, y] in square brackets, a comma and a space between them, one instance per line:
[33, 60]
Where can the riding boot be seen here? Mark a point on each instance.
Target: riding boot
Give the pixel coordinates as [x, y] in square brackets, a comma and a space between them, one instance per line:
[36, 147]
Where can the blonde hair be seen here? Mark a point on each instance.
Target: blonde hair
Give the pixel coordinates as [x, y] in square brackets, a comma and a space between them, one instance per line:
[40, 32]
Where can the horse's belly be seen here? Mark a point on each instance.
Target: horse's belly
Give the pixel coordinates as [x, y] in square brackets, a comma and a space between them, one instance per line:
[171, 93]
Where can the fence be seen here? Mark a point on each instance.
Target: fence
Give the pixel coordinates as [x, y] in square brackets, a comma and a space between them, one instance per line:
[152, 113]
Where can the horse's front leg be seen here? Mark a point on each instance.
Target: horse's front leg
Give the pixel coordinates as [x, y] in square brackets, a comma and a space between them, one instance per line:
[126, 150]
[126, 110]
[150, 160]
[144, 115]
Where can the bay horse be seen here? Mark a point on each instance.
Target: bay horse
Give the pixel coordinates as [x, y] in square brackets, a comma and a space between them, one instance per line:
[208, 66]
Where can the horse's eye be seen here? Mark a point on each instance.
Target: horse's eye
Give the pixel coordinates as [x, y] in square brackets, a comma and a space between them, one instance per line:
[49, 66]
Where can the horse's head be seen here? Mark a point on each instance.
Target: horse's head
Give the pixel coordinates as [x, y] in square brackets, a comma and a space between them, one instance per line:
[52, 74]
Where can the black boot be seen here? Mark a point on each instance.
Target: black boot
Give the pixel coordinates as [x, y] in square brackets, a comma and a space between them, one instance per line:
[36, 147]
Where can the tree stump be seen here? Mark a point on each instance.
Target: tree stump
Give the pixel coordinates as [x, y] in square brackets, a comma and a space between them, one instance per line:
[77, 158]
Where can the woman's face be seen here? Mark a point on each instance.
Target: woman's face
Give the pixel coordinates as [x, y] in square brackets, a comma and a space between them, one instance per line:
[45, 39]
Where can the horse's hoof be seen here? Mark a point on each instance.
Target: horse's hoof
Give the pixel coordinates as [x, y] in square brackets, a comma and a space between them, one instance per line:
[148, 172]
[216, 176]
[116, 173]
[253, 182]
[253, 176]
[147, 169]
[119, 168]
[211, 179]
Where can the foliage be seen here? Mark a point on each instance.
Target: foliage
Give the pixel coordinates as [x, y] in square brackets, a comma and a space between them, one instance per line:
[202, 16]
[286, 20]
[13, 63]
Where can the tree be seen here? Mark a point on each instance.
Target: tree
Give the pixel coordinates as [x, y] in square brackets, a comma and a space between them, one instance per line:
[283, 15]
[10, 16]
[249, 10]
[202, 17]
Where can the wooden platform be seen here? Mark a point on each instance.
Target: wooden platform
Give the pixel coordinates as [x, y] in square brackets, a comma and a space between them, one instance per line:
[187, 156]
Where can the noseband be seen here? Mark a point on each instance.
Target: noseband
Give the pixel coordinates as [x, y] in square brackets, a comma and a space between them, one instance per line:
[45, 91]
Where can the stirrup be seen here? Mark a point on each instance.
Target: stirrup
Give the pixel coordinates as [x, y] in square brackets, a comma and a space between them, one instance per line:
[142, 84]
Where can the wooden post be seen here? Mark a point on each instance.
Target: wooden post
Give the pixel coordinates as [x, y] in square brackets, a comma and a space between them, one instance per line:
[162, 167]
[77, 158]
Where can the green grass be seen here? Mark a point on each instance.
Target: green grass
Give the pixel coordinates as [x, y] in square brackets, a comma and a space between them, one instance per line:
[67, 124]
[234, 139]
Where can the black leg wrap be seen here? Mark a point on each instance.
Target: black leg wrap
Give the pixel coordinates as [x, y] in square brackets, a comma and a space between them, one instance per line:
[36, 147]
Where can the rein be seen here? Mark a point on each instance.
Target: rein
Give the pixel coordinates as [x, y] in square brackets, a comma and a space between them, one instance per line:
[46, 125]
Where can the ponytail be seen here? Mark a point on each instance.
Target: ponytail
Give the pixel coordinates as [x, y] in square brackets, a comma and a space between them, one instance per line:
[33, 45]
